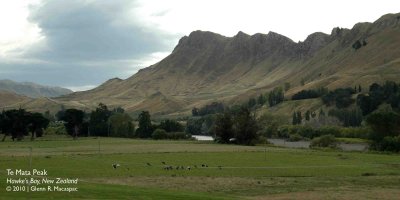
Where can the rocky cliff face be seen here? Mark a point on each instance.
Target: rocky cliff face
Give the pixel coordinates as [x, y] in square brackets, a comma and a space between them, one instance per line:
[206, 67]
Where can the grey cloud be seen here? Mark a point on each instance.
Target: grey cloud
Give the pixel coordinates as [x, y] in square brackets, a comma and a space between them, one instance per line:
[77, 30]
[86, 42]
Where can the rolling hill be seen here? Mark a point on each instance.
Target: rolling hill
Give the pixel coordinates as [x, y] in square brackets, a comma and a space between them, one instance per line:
[206, 67]
[32, 90]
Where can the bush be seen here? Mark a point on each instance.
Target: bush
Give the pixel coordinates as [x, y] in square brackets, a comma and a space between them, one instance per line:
[355, 132]
[329, 130]
[262, 140]
[177, 135]
[340, 97]
[388, 144]
[309, 94]
[159, 134]
[383, 124]
[324, 141]
[55, 129]
[306, 131]
[295, 137]
[269, 124]
[283, 131]
[303, 131]
[171, 126]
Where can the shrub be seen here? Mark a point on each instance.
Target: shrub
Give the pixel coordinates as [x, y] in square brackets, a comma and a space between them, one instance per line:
[324, 141]
[387, 144]
[309, 94]
[306, 131]
[329, 130]
[55, 128]
[177, 135]
[171, 126]
[303, 131]
[159, 134]
[383, 124]
[355, 132]
[340, 97]
[270, 124]
[295, 137]
[283, 131]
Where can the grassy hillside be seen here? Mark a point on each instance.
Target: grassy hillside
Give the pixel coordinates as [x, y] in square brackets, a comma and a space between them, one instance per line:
[8, 99]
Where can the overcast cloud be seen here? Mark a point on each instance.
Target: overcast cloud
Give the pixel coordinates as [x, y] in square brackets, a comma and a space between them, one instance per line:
[84, 43]
[81, 43]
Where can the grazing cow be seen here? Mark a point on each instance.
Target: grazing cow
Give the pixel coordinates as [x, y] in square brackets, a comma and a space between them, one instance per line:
[163, 162]
[188, 168]
[148, 164]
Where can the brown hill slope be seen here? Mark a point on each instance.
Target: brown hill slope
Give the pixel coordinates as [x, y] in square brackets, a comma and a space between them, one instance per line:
[206, 67]
[8, 99]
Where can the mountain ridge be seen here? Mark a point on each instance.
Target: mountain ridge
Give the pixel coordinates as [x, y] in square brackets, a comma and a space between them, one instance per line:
[32, 90]
[206, 66]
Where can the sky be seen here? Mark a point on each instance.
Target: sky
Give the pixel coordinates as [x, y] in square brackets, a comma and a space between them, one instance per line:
[79, 44]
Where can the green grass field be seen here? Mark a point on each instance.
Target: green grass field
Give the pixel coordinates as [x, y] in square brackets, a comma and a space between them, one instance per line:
[233, 172]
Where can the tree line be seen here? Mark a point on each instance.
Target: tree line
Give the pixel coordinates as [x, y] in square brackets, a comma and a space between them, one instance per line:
[19, 123]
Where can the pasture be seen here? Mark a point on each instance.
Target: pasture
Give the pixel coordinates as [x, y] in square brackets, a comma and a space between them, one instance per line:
[216, 171]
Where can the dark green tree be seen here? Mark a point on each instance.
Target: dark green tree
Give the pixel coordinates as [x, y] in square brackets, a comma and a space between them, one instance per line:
[193, 126]
[245, 126]
[261, 99]
[349, 117]
[15, 122]
[223, 127]
[170, 125]
[37, 124]
[98, 123]
[252, 102]
[121, 125]
[73, 119]
[145, 127]
[383, 124]
[276, 96]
